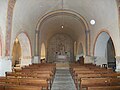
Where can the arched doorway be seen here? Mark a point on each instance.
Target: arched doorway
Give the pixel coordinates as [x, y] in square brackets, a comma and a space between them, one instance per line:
[24, 44]
[103, 47]
[43, 54]
[16, 53]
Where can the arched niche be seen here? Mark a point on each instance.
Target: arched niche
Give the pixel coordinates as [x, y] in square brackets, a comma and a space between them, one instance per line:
[16, 53]
[25, 58]
[103, 47]
[43, 53]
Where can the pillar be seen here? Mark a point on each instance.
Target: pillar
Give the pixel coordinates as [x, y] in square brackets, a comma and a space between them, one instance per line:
[87, 32]
[36, 48]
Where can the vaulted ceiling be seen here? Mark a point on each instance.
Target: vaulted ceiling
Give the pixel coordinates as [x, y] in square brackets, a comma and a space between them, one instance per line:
[27, 14]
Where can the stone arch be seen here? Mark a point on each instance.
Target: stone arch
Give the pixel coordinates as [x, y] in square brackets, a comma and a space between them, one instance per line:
[16, 53]
[26, 53]
[100, 48]
[65, 12]
[10, 10]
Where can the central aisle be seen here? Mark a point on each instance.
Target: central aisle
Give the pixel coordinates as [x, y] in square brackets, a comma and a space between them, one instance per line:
[63, 80]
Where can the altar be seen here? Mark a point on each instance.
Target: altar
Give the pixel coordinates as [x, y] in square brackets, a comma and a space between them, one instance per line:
[61, 58]
[62, 62]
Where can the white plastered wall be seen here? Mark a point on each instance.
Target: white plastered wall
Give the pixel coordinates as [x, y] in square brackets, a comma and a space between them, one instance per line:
[3, 17]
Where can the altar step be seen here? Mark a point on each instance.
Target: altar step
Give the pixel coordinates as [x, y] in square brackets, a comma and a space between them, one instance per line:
[62, 65]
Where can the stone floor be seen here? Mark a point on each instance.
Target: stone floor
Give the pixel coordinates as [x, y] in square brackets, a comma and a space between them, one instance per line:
[63, 80]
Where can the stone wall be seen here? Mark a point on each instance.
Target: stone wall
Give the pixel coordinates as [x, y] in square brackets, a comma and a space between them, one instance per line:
[60, 44]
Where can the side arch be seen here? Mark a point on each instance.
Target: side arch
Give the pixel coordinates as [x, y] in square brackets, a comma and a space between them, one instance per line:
[102, 50]
[26, 51]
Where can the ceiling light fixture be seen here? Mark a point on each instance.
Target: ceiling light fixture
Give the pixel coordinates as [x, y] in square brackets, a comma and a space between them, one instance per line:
[92, 22]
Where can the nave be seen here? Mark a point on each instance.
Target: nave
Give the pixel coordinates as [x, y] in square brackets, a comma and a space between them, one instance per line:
[38, 36]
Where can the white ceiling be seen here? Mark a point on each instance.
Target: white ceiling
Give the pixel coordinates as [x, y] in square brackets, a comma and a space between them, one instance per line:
[27, 13]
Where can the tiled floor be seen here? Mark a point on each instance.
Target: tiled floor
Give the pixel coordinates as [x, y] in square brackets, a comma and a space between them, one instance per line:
[63, 80]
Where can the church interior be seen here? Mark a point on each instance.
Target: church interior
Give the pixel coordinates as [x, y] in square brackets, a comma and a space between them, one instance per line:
[59, 44]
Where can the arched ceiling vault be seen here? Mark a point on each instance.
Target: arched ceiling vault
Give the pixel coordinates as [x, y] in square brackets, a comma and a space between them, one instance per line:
[73, 24]
[28, 12]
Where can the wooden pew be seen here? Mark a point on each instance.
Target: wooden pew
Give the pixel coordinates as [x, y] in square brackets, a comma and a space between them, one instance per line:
[2, 83]
[34, 71]
[34, 82]
[25, 75]
[100, 77]
[2, 87]
[42, 79]
[22, 87]
[94, 82]
[78, 78]
[104, 88]
[87, 82]
[28, 83]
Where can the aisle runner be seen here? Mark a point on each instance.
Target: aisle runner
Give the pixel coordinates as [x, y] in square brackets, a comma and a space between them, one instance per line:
[63, 80]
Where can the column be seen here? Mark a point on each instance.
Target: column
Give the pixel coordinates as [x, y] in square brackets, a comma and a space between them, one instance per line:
[36, 48]
[87, 32]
